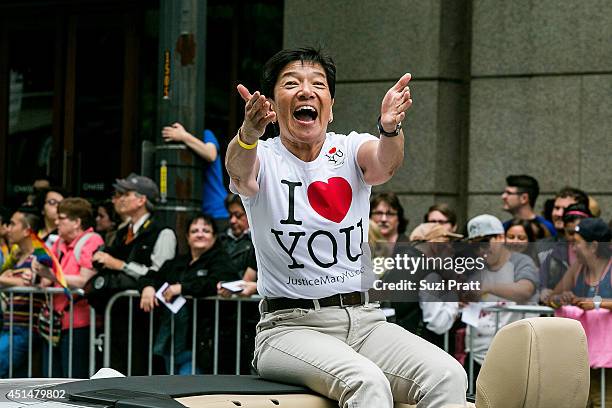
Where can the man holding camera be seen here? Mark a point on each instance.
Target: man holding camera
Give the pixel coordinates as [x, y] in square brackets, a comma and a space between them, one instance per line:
[140, 246]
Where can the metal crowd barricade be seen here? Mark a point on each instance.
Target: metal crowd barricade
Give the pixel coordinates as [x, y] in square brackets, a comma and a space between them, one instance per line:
[239, 301]
[194, 320]
[31, 292]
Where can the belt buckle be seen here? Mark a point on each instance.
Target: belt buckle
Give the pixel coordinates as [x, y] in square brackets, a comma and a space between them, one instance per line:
[341, 300]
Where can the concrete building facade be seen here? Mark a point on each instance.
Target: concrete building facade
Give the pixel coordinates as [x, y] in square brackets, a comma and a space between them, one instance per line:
[522, 87]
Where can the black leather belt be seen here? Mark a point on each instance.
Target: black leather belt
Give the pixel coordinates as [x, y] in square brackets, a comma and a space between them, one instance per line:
[342, 300]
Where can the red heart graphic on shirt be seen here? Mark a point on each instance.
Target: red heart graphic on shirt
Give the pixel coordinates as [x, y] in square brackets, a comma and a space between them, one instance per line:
[331, 200]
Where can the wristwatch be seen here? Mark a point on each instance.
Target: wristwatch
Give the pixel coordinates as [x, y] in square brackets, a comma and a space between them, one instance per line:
[597, 302]
[382, 131]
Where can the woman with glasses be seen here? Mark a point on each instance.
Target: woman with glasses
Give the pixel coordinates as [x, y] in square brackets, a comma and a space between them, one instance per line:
[47, 201]
[442, 214]
[196, 274]
[387, 212]
[74, 249]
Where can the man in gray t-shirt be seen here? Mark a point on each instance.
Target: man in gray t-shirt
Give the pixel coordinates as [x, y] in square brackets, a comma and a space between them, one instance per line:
[509, 278]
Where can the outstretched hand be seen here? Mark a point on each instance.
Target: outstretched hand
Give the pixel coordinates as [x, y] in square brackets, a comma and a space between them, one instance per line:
[257, 114]
[396, 102]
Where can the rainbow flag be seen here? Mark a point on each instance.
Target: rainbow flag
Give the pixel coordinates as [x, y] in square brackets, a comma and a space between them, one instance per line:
[47, 258]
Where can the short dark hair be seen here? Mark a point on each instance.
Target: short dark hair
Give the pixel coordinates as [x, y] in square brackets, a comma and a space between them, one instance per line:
[580, 196]
[233, 199]
[527, 225]
[525, 184]
[275, 65]
[41, 196]
[445, 210]
[109, 207]
[207, 220]
[393, 201]
[31, 219]
[77, 207]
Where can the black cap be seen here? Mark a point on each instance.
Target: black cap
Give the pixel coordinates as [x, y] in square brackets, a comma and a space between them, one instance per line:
[140, 184]
[594, 229]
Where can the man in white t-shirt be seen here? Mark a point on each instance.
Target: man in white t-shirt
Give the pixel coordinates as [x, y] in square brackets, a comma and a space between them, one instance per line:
[306, 194]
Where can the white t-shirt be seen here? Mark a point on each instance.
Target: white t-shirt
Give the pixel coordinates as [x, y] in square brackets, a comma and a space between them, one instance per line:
[309, 220]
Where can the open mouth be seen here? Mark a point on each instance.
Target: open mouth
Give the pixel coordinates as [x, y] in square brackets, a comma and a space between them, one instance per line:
[305, 114]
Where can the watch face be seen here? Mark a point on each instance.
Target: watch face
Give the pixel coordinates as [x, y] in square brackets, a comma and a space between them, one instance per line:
[597, 299]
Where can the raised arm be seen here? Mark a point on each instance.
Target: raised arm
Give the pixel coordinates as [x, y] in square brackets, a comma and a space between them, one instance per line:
[380, 159]
[241, 158]
[177, 133]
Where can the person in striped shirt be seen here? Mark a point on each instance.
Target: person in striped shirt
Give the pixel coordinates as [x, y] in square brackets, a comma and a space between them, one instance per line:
[18, 272]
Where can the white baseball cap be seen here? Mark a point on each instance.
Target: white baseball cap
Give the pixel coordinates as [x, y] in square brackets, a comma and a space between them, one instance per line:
[484, 225]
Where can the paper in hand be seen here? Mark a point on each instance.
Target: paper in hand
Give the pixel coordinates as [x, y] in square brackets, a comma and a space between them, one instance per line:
[471, 313]
[176, 304]
[234, 286]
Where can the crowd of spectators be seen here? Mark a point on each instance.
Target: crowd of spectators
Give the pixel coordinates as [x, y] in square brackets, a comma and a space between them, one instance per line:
[561, 259]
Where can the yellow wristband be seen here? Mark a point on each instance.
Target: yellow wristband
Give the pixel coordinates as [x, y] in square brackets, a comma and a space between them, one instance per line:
[244, 145]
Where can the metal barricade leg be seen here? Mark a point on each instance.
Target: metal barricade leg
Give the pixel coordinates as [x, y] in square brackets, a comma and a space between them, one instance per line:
[446, 341]
[151, 320]
[50, 345]
[107, 333]
[30, 316]
[496, 321]
[238, 334]
[11, 318]
[603, 387]
[216, 340]
[172, 344]
[92, 341]
[70, 337]
[130, 324]
[471, 362]
[194, 339]
[108, 325]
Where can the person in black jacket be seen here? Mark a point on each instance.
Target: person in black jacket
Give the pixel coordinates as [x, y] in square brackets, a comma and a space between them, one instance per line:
[193, 274]
[140, 247]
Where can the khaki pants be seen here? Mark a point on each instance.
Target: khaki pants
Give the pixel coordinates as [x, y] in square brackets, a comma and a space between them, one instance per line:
[352, 355]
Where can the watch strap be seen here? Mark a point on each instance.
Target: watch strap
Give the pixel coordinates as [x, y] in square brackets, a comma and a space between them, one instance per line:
[382, 131]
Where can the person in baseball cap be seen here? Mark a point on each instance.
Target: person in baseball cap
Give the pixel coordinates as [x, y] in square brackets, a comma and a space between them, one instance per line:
[141, 185]
[594, 229]
[141, 246]
[433, 232]
[507, 278]
[484, 226]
